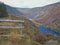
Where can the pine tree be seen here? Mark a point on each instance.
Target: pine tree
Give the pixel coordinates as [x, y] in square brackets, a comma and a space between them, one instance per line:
[3, 11]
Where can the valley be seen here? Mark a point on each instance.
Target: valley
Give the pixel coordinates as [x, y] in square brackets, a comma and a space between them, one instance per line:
[41, 25]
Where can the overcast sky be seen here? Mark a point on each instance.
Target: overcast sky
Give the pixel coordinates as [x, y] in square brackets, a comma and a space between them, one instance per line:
[29, 3]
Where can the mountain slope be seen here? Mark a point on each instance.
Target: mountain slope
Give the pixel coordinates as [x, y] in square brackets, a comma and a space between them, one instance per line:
[30, 32]
[51, 17]
[32, 13]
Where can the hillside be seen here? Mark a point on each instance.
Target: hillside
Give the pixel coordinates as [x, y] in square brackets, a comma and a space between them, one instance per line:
[30, 33]
[51, 17]
[32, 13]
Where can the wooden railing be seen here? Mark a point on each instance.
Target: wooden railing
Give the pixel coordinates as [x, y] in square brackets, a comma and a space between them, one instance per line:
[15, 21]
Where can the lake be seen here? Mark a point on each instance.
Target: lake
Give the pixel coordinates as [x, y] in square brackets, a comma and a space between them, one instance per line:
[47, 30]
